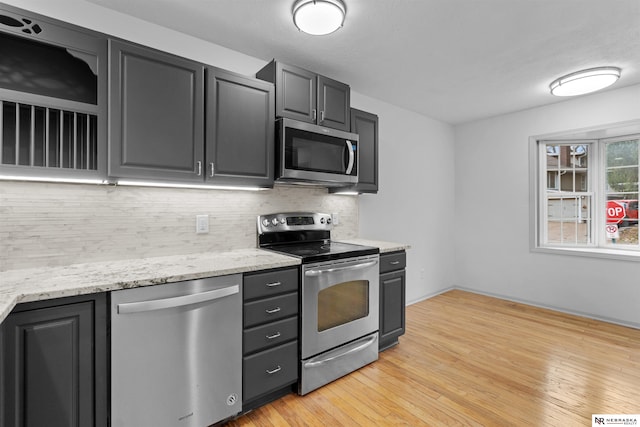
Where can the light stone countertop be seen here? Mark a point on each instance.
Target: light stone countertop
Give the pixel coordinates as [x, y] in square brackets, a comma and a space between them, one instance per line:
[44, 283]
[384, 246]
[36, 284]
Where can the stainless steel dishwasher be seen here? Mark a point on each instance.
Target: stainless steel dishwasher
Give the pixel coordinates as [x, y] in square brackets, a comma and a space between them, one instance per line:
[177, 353]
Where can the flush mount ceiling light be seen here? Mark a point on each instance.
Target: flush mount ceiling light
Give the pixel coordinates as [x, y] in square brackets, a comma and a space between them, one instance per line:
[318, 17]
[585, 81]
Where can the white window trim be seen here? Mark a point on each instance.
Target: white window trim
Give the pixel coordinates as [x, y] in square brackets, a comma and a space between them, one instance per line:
[536, 182]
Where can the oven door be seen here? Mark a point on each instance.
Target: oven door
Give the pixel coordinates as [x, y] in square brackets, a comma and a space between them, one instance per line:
[339, 302]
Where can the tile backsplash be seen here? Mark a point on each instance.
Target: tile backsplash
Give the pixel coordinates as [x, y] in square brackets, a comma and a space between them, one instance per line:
[49, 224]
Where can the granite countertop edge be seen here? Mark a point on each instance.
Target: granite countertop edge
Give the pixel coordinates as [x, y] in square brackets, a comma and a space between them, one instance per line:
[43, 283]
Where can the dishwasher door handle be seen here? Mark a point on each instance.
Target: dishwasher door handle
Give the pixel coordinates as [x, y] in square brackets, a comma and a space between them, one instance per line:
[159, 304]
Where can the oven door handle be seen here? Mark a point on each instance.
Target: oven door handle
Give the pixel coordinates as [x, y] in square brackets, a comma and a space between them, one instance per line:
[341, 352]
[319, 271]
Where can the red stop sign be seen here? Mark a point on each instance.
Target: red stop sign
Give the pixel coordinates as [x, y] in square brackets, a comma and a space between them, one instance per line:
[615, 212]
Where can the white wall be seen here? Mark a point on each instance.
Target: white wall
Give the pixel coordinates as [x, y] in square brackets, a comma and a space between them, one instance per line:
[415, 201]
[492, 244]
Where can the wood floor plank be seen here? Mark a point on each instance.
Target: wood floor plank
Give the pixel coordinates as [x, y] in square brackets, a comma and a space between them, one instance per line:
[473, 360]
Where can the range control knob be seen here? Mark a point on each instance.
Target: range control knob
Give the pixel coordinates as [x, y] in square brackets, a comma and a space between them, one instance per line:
[265, 222]
[283, 221]
[329, 220]
[322, 220]
[274, 221]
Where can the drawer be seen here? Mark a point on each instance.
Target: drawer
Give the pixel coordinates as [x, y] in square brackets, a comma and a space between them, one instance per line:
[270, 309]
[270, 283]
[269, 370]
[270, 335]
[393, 261]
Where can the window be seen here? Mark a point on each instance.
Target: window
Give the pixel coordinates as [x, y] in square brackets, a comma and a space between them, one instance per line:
[587, 194]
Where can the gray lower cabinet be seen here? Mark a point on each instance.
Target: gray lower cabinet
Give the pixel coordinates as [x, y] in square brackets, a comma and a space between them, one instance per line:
[240, 130]
[308, 97]
[270, 336]
[392, 298]
[53, 364]
[156, 115]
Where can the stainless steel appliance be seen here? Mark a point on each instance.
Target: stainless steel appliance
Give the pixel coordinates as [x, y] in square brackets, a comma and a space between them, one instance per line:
[339, 295]
[311, 154]
[177, 353]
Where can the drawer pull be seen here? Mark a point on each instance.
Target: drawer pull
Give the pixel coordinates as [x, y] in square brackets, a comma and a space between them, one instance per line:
[271, 285]
[273, 371]
[276, 335]
[394, 262]
[273, 310]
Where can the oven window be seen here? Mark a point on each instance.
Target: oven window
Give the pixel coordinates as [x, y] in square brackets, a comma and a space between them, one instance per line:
[343, 303]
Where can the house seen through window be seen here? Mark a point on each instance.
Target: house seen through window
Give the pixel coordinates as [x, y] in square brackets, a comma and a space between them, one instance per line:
[588, 193]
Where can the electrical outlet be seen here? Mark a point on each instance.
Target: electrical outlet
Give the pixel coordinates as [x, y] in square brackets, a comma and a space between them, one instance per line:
[335, 218]
[202, 224]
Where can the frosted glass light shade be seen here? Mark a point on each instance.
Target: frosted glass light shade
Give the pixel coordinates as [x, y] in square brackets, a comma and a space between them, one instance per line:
[318, 17]
[585, 81]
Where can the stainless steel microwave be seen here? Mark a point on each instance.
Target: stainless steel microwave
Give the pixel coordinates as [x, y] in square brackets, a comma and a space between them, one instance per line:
[311, 154]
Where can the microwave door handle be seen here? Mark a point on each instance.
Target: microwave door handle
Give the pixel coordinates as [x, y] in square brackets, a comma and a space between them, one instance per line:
[352, 157]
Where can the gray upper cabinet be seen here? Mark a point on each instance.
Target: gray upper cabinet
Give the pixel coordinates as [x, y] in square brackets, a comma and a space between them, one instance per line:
[239, 130]
[53, 98]
[366, 126]
[334, 99]
[309, 97]
[156, 113]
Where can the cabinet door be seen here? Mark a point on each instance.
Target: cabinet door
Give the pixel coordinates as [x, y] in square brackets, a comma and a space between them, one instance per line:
[334, 99]
[392, 308]
[366, 126]
[296, 93]
[53, 93]
[156, 115]
[53, 366]
[240, 130]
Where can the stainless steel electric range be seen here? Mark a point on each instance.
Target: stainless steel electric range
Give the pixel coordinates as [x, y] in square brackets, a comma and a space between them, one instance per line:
[339, 295]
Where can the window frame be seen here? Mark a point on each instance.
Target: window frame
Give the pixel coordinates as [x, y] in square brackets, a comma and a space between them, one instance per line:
[598, 138]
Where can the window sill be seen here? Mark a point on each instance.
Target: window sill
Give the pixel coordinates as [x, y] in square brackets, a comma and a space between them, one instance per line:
[606, 253]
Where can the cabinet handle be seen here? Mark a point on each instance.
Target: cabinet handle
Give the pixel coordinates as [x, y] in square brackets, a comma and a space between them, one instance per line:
[314, 113]
[273, 371]
[212, 169]
[199, 167]
[273, 310]
[271, 285]
[276, 335]
[322, 116]
[394, 262]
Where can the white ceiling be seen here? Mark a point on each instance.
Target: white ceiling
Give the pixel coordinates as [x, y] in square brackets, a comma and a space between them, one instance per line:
[452, 60]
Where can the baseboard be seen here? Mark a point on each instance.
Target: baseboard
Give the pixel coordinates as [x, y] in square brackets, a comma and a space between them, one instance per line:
[426, 297]
[550, 307]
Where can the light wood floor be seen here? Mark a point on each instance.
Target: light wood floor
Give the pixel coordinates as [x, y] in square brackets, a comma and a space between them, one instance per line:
[472, 360]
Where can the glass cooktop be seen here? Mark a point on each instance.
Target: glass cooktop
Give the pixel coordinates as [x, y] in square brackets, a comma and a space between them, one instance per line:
[322, 251]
